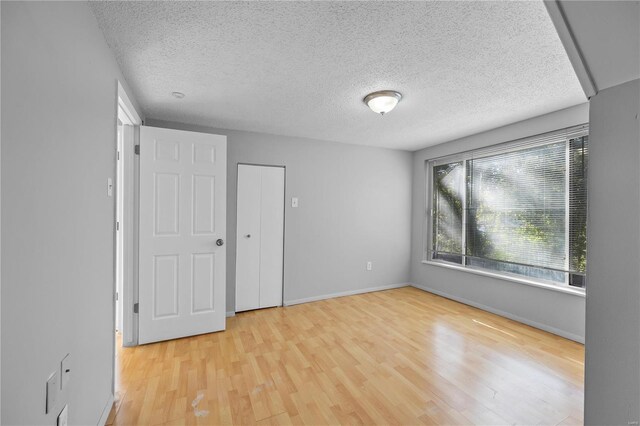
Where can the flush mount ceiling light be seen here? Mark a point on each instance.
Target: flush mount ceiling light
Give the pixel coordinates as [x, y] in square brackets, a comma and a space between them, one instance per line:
[382, 101]
[178, 95]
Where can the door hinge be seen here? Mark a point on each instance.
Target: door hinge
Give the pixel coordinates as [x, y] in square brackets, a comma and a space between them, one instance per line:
[136, 308]
[117, 226]
[137, 149]
[117, 296]
[118, 155]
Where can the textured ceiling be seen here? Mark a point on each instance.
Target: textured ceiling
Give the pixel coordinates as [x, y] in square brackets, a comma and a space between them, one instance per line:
[302, 68]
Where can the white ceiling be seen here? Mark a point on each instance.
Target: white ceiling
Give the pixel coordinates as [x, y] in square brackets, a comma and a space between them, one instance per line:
[302, 68]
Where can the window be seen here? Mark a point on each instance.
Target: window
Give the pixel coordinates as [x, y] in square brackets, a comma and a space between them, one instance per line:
[516, 208]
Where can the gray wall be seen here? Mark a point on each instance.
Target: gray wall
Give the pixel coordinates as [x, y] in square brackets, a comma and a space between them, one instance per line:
[59, 95]
[355, 205]
[612, 369]
[557, 312]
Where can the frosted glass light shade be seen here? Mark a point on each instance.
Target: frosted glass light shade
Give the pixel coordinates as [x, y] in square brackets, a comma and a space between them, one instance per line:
[383, 101]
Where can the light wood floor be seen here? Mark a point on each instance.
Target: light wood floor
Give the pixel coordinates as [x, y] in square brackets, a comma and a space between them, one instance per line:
[399, 356]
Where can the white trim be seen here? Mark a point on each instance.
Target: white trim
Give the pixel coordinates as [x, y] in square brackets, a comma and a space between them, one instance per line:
[544, 327]
[105, 411]
[231, 314]
[344, 293]
[128, 231]
[512, 278]
[554, 8]
[135, 212]
[129, 116]
[123, 116]
[515, 145]
[127, 106]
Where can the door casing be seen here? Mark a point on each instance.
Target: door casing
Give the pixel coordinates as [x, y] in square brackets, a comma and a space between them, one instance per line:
[127, 114]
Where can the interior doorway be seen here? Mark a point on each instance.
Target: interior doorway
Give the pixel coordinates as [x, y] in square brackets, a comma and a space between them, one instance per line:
[124, 226]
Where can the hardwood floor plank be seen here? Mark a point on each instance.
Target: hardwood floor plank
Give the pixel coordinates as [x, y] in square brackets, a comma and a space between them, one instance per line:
[400, 356]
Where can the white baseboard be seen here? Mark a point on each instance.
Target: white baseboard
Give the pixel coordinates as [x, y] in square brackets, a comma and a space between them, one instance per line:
[105, 411]
[535, 324]
[344, 293]
[231, 314]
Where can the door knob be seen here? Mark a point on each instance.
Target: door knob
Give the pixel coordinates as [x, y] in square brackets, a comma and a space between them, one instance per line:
[220, 242]
[248, 235]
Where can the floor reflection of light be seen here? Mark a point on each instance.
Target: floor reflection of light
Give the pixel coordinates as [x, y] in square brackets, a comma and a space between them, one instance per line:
[449, 345]
[577, 361]
[493, 328]
[547, 378]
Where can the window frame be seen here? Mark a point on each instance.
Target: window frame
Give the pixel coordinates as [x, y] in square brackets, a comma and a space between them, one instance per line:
[563, 135]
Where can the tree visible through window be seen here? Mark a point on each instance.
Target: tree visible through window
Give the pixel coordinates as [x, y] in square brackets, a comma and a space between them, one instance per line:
[447, 221]
[517, 210]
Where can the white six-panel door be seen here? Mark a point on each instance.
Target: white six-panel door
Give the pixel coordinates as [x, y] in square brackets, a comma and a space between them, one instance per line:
[182, 232]
[260, 237]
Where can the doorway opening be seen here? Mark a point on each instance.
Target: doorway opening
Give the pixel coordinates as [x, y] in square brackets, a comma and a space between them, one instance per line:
[125, 227]
[128, 122]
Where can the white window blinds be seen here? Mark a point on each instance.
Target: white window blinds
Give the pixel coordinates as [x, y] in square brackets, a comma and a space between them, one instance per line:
[516, 208]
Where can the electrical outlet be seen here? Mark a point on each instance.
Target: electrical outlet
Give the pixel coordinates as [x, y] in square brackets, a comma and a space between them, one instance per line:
[369, 266]
[294, 202]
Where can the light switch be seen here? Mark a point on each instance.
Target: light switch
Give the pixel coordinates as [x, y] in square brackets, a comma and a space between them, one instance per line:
[110, 187]
[65, 371]
[294, 202]
[52, 392]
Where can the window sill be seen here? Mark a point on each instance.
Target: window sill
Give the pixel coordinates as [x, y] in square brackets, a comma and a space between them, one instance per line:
[563, 289]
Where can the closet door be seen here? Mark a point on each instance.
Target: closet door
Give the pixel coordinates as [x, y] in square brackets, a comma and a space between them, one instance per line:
[271, 236]
[260, 237]
[248, 239]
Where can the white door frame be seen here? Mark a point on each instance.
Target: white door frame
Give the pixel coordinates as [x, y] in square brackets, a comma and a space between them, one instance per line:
[122, 119]
[284, 223]
[131, 119]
